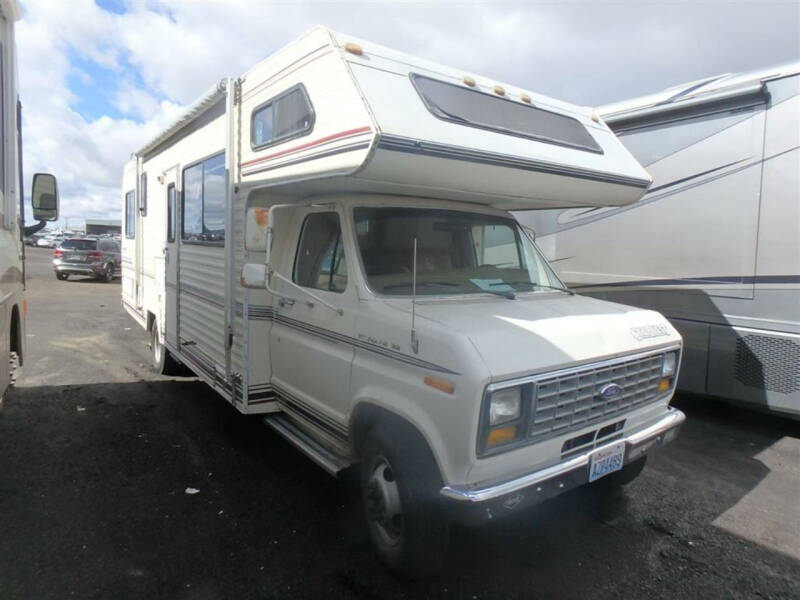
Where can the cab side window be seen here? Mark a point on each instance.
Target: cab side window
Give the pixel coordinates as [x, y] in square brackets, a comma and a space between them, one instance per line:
[320, 262]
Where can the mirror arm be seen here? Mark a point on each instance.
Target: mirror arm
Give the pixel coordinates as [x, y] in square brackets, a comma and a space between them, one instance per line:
[31, 229]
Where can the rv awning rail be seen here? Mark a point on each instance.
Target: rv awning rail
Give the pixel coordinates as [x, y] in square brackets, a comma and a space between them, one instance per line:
[755, 90]
[206, 101]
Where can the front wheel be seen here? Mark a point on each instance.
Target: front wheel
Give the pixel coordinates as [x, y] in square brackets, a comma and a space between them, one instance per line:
[400, 485]
[108, 273]
[61, 276]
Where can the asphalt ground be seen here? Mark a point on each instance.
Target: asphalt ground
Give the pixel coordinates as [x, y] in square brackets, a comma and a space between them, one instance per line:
[96, 454]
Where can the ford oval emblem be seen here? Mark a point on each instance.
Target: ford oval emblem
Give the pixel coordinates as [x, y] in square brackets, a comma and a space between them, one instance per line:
[612, 390]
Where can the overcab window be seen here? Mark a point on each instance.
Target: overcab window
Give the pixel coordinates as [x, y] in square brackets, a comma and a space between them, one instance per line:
[204, 201]
[284, 117]
[474, 108]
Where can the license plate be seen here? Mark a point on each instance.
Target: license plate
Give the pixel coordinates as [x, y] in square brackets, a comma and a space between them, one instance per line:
[606, 461]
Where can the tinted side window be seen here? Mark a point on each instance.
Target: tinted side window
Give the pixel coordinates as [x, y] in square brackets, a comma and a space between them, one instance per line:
[320, 261]
[193, 202]
[130, 214]
[214, 198]
[204, 201]
[284, 117]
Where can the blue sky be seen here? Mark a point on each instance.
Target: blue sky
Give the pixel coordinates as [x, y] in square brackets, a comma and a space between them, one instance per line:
[97, 79]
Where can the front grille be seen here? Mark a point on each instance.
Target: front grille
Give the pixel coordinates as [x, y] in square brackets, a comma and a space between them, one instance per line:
[571, 400]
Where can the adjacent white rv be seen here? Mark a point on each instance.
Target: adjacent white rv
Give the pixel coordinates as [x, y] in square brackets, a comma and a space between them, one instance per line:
[13, 307]
[715, 242]
[326, 240]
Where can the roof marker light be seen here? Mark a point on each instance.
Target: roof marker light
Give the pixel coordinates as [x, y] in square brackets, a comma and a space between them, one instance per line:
[499, 90]
[595, 118]
[353, 48]
[468, 81]
[525, 98]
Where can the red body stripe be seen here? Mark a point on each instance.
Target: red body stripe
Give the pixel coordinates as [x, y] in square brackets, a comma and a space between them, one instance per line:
[327, 138]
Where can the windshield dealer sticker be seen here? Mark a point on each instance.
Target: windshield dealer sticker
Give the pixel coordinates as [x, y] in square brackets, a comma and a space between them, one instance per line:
[645, 332]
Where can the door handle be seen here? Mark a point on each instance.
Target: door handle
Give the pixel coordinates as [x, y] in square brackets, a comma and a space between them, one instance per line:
[286, 302]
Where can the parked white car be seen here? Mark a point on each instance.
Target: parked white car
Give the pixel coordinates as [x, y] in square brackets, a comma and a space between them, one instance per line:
[48, 242]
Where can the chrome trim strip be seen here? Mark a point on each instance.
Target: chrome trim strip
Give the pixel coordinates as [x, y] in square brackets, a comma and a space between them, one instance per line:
[674, 418]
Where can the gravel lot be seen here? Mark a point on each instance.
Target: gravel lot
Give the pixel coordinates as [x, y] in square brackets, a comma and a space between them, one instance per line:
[96, 454]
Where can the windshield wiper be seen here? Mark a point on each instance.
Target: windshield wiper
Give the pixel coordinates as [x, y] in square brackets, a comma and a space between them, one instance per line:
[538, 285]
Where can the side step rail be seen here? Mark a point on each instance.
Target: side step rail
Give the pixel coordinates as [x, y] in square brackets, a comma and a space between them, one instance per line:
[326, 459]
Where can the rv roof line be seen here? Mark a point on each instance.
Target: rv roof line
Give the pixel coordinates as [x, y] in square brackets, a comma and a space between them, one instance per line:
[210, 97]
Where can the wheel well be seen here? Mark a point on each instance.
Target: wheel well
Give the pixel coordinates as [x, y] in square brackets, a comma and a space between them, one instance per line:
[367, 415]
[15, 341]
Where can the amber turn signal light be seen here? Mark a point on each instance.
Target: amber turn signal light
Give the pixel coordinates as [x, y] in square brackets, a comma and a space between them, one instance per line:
[501, 435]
[440, 384]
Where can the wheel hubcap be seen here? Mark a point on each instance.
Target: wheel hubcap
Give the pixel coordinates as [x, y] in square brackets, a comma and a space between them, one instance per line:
[383, 502]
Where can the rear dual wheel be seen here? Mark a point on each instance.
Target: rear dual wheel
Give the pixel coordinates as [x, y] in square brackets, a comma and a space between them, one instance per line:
[163, 362]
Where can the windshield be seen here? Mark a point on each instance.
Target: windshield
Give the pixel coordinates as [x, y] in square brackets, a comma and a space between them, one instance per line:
[457, 252]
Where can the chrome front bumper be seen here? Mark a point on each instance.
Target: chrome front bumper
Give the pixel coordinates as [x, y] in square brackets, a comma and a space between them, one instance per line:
[496, 500]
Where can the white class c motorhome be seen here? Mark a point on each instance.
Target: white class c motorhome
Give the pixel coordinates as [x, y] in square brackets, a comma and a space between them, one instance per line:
[44, 199]
[725, 156]
[326, 240]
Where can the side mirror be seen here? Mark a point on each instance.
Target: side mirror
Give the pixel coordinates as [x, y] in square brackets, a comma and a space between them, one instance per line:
[44, 197]
[254, 276]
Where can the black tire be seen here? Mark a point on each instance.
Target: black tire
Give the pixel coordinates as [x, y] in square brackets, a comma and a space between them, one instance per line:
[108, 273]
[62, 276]
[163, 363]
[400, 485]
[622, 477]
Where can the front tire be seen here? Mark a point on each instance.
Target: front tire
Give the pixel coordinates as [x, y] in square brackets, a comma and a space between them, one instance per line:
[400, 485]
[108, 273]
[62, 276]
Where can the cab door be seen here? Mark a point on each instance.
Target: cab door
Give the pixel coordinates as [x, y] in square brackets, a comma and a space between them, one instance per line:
[311, 346]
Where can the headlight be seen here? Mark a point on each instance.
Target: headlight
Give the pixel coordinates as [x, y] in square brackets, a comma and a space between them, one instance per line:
[503, 423]
[504, 406]
[669, 365]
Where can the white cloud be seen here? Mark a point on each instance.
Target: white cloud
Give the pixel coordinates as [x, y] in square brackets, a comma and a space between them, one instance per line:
[166, 53]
